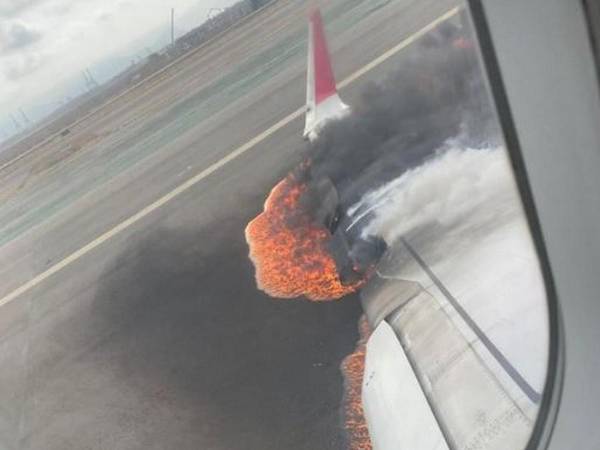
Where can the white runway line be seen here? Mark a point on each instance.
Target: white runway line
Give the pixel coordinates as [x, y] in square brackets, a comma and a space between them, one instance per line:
[213, 168]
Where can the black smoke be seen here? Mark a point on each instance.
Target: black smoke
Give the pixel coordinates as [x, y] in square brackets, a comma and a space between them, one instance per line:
[436, 94]
[179, 325]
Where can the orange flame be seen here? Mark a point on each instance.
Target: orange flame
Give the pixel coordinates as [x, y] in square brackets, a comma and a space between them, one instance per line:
[353, 368]
[289, 250]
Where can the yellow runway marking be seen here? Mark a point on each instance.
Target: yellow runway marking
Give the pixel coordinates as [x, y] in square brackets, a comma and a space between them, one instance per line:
[213, 168]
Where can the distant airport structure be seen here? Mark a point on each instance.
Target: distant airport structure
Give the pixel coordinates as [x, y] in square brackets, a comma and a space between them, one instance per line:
[90, 81]
[95, 93]
[15, 122]
[25, 118]
[172, 26]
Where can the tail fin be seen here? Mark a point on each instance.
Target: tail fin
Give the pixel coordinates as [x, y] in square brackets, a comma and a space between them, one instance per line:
[322, 100]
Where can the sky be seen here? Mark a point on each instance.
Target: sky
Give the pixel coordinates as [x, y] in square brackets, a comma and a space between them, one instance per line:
[46, 44]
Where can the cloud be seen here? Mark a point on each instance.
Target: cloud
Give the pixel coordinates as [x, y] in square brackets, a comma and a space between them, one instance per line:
[9, 8]
[21, 65]
[16, 36]
[105, 17]
[125, 4]
[45, 44]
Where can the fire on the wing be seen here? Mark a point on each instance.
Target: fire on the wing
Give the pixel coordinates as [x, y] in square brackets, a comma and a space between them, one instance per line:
[353, 368]
[289, 249]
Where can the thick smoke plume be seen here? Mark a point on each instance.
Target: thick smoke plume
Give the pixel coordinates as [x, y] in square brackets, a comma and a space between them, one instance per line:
[438, 93]
[435, 97]
[461, 190]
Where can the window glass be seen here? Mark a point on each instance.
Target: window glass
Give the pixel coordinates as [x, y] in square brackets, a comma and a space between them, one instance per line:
[259, 225]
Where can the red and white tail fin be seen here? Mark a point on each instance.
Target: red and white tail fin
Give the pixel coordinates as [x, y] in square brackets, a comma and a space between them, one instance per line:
[322, 100]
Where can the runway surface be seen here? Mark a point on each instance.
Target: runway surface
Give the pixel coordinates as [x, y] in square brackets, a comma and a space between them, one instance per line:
[158, 338]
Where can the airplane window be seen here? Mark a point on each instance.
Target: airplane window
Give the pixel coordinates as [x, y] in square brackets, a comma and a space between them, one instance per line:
[260, 225]
[459, 285]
